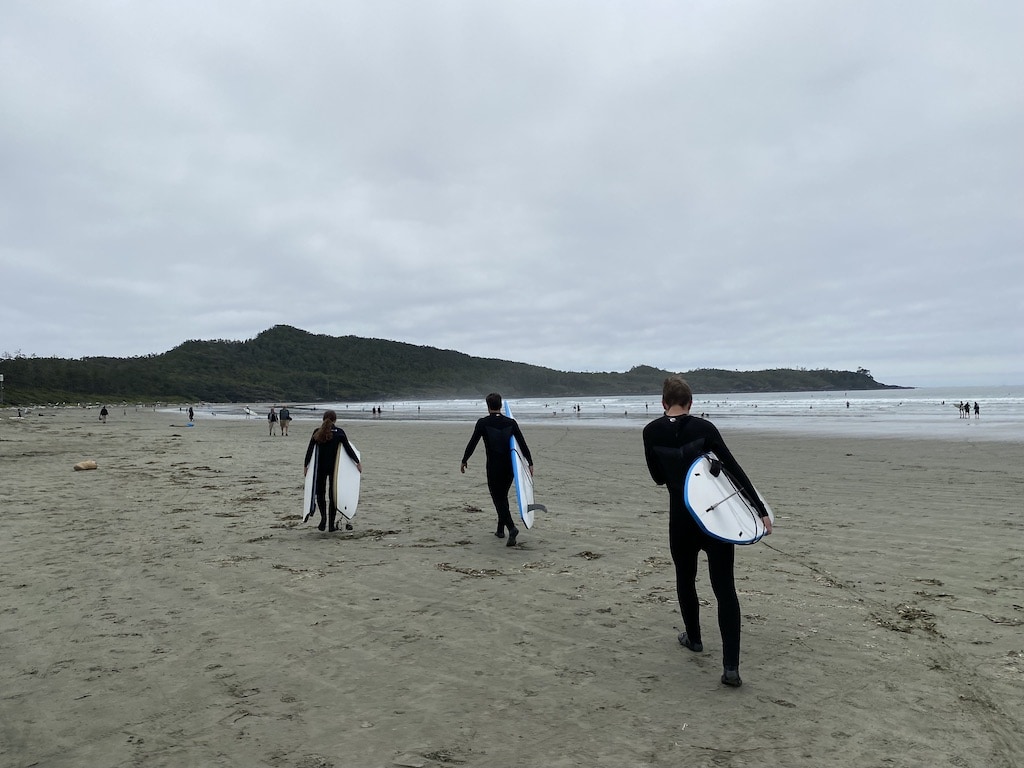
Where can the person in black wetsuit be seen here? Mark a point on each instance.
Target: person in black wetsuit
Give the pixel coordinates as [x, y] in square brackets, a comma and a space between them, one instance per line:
[328, 437]
[671, 443]
[496, 429]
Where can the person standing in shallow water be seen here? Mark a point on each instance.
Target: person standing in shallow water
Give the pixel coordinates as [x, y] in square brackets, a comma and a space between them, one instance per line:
[496, 429]
[328, 438]
[671, 443]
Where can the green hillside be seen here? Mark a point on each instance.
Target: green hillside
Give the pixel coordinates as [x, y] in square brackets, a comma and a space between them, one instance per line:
[286, 363]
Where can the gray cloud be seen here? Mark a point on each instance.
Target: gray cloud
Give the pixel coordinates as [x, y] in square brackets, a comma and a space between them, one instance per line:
[582, 186]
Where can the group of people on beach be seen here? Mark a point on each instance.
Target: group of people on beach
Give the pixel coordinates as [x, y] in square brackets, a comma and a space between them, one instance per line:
[284, 418]
[965, 409]
[671, 443]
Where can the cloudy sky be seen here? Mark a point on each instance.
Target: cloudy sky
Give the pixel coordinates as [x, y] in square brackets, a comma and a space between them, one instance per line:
[586, 185]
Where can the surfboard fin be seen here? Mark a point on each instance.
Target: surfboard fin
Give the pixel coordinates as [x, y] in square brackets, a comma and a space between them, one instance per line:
[536, 507]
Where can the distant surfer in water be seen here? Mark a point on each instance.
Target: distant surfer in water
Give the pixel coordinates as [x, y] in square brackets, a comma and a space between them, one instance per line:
[496, 429]
[328, 437]
[671, 443]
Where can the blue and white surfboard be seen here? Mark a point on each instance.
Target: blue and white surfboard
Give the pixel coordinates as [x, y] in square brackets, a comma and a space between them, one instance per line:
[718, 505]
[523, 480]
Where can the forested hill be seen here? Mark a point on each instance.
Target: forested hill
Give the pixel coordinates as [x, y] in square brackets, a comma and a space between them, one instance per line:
[288, 364]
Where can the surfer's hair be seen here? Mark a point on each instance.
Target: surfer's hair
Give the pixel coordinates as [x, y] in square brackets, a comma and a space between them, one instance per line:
[676, 391]
[323, 434]
[493, 401]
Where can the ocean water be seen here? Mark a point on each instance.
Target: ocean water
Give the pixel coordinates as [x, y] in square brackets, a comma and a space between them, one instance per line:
[923, 412]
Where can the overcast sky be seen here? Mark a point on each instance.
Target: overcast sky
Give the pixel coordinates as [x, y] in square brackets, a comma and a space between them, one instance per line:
[582, 185]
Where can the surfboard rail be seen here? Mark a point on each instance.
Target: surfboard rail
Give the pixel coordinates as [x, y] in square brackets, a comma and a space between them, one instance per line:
[309, 482]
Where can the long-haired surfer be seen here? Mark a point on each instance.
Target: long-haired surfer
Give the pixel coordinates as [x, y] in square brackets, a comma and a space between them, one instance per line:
[327, 438]
[496, 429]
[671, 443]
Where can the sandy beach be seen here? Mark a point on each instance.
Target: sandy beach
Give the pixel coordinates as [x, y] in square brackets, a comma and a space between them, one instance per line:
[170, 609]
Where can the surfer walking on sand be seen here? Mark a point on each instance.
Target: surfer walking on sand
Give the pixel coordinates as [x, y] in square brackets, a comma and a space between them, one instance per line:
[671, 443]
[496, 430]
[328, 437]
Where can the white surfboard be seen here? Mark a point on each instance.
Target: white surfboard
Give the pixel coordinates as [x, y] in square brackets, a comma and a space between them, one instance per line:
[719, 506]
[347, 478]
[345, 486]
[523, 480]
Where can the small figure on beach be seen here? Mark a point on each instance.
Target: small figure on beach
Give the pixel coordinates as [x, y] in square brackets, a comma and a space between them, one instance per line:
[671, 443]
[285, 418]
[272, 420]
[977, 410]
[103, 414]
[496, 429]
[191, 414]
[328, 437]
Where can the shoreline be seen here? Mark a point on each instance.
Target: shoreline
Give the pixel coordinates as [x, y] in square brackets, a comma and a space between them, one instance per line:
[168, 608]
[961, 431]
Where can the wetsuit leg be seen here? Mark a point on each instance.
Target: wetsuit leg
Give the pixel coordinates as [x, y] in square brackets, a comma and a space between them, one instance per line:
[685, 547]
[721, 558]
[499, 484]
[333, 508]
[321, 499]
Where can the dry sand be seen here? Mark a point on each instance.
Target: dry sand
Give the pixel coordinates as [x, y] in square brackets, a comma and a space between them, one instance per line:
[169, 609]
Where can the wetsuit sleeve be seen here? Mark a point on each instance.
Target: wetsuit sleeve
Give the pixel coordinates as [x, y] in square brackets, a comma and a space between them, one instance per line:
[471, 445]
[653, 464]
[717, 444]
[309, 452]
[517, 433]
[348, 446]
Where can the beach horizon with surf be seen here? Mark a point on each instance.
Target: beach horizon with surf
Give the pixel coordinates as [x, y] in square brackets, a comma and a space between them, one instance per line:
[919, 412]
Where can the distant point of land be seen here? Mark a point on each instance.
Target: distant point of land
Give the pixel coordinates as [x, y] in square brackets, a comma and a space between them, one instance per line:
[289, 364]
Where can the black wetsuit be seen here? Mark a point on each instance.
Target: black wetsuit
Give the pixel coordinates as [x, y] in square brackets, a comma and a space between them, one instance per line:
[496, 430]
[671, 443]
[325, 465]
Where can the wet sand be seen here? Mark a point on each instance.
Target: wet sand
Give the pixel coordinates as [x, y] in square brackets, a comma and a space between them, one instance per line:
[170, 609]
